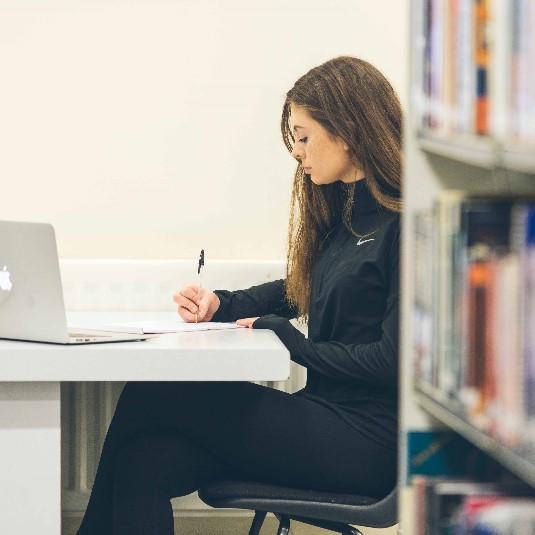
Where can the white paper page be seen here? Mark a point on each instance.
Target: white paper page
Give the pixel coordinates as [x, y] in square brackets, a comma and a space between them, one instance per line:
[168, 326]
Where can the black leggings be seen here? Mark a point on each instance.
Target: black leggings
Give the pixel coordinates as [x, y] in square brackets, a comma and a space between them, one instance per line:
[166, 439]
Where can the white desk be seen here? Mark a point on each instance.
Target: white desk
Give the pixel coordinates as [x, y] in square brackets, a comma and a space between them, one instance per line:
[30, 376]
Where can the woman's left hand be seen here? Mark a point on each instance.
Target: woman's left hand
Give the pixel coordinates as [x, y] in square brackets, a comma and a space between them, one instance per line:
[247, 322]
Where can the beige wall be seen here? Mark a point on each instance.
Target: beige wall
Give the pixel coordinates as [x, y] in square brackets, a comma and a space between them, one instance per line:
[150, 128]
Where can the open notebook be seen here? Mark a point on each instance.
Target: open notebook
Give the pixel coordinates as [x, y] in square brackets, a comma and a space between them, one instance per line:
[167, 326]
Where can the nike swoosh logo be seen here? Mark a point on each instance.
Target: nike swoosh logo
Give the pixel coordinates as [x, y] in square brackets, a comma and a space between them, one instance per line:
[361, 241]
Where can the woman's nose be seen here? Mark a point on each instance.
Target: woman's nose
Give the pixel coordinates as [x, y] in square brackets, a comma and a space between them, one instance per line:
[296, 153]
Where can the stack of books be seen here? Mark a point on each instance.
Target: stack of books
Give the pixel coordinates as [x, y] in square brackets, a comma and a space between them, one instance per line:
[473, 71]
[465, 507]
[474, 312]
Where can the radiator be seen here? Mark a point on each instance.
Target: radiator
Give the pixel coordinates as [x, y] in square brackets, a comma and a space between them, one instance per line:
[87, 407]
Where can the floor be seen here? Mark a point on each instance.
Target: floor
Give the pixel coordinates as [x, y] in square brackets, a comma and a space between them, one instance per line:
[226, 525]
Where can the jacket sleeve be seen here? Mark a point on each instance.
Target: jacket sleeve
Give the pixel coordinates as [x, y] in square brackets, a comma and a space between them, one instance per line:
[373, 364]
[260, 300]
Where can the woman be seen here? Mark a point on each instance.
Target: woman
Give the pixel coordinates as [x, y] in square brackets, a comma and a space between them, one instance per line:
[343, 123]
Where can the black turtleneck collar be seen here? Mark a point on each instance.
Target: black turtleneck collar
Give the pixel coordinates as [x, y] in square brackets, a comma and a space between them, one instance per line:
[364, 201]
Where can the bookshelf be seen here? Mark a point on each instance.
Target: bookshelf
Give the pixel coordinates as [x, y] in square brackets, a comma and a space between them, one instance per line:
[472, 150]
[485, 152]
[518, 460]
[470, 128]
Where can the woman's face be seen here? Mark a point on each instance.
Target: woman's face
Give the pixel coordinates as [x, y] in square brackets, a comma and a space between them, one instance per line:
[324, 157]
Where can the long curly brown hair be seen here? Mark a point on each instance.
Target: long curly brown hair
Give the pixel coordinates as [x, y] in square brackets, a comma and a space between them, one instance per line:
[354, 101]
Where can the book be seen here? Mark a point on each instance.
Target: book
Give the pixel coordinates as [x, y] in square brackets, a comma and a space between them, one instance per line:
[500, 72]
[523, 239]
[501, 393]
[424, 339]
[523, 76]
[168, 326]
[464, 66]
[492, 515]
[482, 62]
[473, 72]
[447, 216]
[483, 240]
[473, 335]
[444, 505]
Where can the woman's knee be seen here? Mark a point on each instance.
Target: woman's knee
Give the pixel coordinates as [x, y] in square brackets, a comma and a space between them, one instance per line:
[132, 469]
[141, 463]
[158, 463]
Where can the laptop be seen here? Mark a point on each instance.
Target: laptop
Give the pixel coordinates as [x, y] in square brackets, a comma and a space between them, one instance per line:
[31, 295]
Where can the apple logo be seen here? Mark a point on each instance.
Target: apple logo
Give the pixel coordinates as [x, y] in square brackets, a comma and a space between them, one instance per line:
[5, 283]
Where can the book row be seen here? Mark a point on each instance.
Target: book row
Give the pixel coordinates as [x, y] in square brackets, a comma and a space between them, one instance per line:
[463, 507]
[474, 310]
[473, 70]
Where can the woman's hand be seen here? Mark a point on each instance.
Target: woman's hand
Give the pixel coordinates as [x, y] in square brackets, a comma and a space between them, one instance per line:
[190, 302]
[247, 322]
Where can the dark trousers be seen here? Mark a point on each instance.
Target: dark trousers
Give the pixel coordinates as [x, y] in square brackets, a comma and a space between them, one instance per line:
[168, 438]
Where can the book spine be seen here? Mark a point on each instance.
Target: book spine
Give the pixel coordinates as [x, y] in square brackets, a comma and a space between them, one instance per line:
[447, 224]
[481, 62]
[499, 74]
[528, 360]
[480, 280]
[474, 310]
[423, 297]
[465, 67]
[449, 505]
[526, 77]
[516, 68]
[436, 43]
[420, 66]
[504, 405]
[453, 67]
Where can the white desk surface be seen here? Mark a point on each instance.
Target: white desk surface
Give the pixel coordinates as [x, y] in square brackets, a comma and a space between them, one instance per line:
[30, 411]
[228, 355]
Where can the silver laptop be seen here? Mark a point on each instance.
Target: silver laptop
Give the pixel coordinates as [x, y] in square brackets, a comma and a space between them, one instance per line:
[31, 294]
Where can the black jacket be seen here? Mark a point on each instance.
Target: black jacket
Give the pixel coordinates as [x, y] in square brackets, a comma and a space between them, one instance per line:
[351, 353]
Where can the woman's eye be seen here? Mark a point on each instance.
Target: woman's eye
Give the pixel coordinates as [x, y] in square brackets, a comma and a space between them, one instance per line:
[303, 139]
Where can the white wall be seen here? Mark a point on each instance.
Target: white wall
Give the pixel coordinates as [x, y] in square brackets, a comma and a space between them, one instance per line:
[150, 128]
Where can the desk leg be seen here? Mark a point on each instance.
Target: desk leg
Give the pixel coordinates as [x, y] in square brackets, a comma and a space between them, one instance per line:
[30, 472]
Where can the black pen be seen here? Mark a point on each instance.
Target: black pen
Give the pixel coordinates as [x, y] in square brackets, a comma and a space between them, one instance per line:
[199, 272]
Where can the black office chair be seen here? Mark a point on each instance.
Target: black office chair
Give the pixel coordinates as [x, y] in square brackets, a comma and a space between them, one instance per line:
[335, 512]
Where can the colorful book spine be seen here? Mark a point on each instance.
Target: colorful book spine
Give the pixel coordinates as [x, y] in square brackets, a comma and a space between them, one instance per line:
[474, 70]
[453, 506]
[485, 238]
[488, 515]
[528, 338]
[482, 65]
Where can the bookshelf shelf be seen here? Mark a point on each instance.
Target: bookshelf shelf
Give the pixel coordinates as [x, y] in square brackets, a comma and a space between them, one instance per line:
[472, 150]
[519, 461]
[520, 159]
[485, 152]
